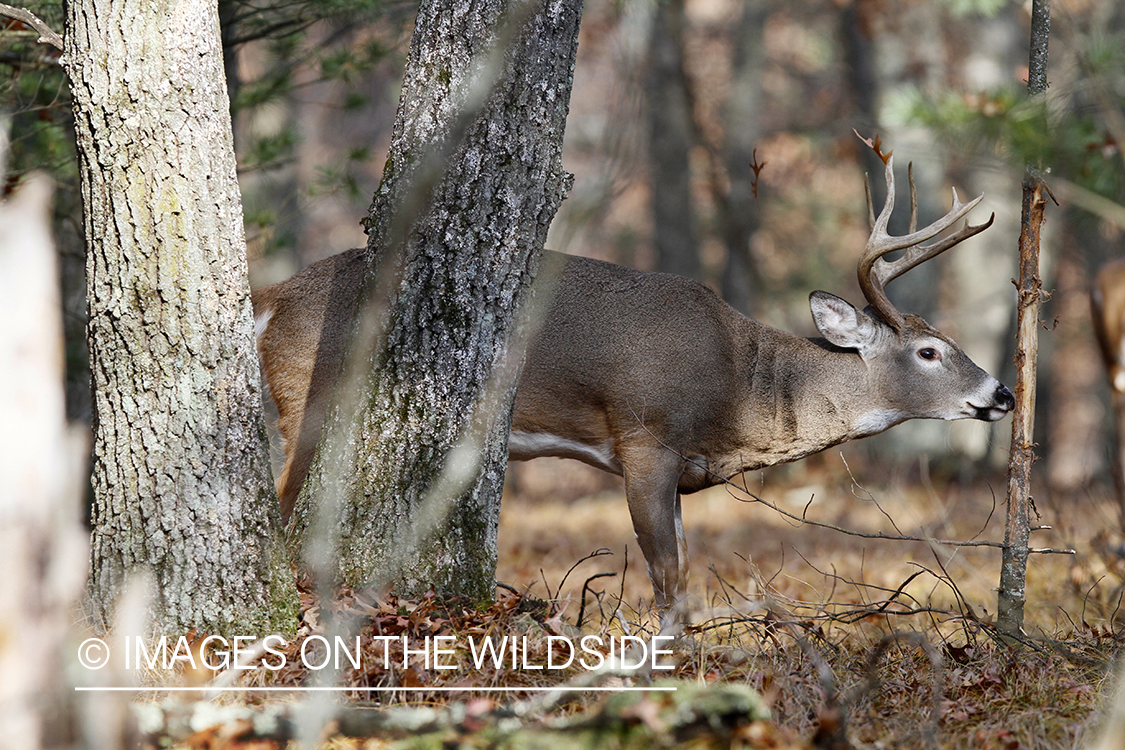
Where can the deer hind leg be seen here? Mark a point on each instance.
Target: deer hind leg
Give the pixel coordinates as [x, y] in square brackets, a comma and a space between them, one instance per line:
[298, 457]
[300, 430]
[290, 390]
[651, 479]
[301, 388]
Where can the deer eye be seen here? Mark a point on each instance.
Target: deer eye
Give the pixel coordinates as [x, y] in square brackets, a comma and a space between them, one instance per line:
[929, 354]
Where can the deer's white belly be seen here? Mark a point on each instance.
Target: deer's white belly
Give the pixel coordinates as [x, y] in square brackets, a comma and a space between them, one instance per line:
[523, 446]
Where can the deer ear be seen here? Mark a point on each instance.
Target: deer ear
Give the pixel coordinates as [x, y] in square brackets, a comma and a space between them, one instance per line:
[842, 324]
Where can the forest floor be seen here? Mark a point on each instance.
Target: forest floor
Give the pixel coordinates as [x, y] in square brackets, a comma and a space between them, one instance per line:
[800, 635]
[891, 627]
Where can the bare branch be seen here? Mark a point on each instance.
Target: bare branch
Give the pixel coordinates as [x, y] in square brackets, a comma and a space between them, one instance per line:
[600, 552]
[47, 35]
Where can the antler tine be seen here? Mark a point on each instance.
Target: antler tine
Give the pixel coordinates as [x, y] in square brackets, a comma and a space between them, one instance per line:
[874, 272]
[878, 244]
[888, 271]
[913, 198]
[867, 192]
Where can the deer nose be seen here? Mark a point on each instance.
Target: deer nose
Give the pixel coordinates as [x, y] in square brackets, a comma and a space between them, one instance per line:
[1004, 398]
[1002, 402]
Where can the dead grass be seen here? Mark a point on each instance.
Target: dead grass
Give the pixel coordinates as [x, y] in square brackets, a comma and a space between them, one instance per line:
[850, 641]
[798, 612]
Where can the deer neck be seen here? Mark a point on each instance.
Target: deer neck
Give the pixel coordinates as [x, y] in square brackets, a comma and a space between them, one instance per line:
[805, 395]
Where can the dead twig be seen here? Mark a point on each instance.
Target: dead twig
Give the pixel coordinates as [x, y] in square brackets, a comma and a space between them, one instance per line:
[47, 35]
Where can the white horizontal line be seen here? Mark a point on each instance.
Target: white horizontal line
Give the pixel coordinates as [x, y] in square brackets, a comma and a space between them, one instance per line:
[436, 689]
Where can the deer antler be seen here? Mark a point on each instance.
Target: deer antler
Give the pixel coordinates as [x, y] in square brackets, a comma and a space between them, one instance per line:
[875, 273]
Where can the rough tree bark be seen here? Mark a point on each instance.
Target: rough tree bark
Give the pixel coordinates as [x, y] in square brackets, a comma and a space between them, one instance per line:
[181, 474]
[407, 482]
[1013, 566]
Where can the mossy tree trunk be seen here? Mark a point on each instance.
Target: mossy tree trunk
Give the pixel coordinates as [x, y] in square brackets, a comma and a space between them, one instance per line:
[405, 490]
[181, 473]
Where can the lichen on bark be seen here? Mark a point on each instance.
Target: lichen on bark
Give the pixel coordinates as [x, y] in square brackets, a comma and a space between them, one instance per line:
[412, 461]
[181, 475]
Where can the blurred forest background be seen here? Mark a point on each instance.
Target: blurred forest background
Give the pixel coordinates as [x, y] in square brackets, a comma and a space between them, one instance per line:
[673, 104]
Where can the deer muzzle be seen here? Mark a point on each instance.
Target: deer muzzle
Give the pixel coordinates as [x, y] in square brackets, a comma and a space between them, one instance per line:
[1002, 402]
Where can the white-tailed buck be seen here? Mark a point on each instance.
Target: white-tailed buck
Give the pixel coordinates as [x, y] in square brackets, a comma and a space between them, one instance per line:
[1107, 306]
[653, 377]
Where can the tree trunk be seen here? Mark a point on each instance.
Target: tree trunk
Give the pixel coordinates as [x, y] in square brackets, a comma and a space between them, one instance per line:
[181, 474]
[975, 287]
[1071, 410]
[739, 210]
[670, 140]
[1013, 566]
[1013, 570]
[408, 477]
[41, 536]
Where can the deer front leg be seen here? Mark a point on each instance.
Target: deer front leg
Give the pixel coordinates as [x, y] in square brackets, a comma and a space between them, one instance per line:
[651, 479]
